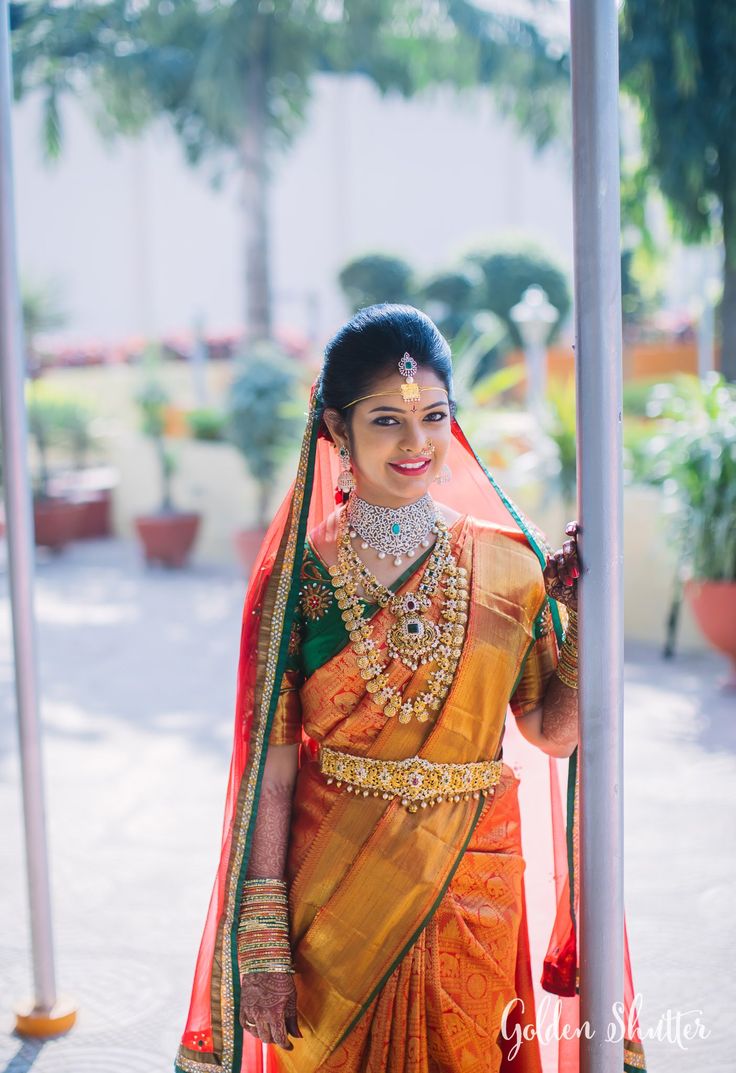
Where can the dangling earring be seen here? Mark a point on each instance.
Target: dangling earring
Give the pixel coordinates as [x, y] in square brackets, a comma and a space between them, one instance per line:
[346, 480]
[444, 475]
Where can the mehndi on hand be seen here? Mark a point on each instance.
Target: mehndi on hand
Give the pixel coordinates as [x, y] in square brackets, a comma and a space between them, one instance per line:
[268, 1007]
[563, 568]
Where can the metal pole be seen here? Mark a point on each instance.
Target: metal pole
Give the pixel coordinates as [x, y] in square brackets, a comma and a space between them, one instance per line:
[594, 51]
[45, 1016]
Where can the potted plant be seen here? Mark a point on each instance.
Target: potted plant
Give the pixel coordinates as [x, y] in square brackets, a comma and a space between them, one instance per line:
[167, 534]
[55, 514]
[261, 420]
[88, 486]
[206, 423]
[693, 456]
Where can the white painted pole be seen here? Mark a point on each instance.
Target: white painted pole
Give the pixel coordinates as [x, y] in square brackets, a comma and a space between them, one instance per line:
[44, 1015]
[594, 34]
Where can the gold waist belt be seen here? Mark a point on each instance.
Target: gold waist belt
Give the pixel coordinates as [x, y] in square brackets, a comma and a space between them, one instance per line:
[418, 782]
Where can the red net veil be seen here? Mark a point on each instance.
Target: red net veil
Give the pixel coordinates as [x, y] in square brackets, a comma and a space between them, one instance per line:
[213, 1039]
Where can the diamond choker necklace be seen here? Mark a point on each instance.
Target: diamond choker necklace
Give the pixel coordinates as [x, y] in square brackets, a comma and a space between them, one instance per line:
[393, 531]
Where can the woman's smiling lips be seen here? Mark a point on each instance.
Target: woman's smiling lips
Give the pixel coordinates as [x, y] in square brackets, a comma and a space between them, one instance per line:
[412, 466]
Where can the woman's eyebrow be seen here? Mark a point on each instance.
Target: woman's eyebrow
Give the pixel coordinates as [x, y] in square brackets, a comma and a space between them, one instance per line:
[399, 410]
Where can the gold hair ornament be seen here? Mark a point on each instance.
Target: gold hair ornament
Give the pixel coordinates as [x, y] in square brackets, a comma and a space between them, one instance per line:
[419, 387]
[407, 367]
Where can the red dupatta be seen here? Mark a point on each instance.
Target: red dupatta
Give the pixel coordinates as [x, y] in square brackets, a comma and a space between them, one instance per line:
[213, 1039]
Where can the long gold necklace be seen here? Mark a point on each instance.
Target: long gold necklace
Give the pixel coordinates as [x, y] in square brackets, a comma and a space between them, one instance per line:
[414, 639]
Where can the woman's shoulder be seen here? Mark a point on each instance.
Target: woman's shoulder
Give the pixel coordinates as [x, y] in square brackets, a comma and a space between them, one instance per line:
[504, 552]
[321, 541]
[495, 537]
[499, 532]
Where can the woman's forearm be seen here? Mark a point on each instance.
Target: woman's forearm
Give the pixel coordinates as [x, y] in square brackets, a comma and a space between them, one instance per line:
[553, 725]
[559, 722]
[273, 819]
[268, 996]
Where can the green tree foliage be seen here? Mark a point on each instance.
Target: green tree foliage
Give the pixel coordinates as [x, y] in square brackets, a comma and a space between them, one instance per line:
[236, 78]
[506, 274]
[261, 418]
[692, 455]
[470, 302]
[679, 61]
[450, 298]
[376, 277]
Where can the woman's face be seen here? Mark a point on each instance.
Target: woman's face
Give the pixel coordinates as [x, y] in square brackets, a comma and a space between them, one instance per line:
[392, 462]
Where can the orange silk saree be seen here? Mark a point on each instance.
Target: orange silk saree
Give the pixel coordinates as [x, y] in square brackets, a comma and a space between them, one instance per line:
[367, 876]
[413, 933]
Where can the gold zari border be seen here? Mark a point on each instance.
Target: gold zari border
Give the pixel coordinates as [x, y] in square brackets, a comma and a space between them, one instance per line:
[190, 1065]
[225, 998]
[634, 1058]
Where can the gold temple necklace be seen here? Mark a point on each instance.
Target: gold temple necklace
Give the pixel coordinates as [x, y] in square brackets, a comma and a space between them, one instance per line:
[414, 639]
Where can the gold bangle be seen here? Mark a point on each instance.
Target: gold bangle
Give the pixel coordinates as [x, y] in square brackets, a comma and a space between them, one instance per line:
[566, 679]
[567, 665]
[269, 968]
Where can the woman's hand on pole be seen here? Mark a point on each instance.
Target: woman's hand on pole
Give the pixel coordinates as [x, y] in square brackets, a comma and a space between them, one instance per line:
[563, 569]
[268, 1007]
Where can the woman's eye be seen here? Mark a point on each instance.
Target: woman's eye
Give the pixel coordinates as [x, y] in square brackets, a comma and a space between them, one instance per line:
[435, 416]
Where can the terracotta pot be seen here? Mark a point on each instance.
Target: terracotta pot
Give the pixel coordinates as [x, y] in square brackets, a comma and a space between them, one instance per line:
[54, 522]
[713, 604]
[94, 514]
[168, 538]
[247, 542]
[175, 422]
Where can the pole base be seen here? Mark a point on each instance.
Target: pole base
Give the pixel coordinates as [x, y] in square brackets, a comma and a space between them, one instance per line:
[44, 1024]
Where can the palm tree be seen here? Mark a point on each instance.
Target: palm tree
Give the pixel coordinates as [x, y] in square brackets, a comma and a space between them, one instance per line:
[235, 78]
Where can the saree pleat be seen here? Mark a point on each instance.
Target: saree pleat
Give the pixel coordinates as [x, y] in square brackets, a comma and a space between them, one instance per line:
[442, 1007]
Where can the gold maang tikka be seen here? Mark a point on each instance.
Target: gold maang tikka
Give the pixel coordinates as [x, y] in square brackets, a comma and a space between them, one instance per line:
[409, 390]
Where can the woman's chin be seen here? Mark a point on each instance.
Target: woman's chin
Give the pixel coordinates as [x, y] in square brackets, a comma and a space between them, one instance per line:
[402, 488]
[410, 490]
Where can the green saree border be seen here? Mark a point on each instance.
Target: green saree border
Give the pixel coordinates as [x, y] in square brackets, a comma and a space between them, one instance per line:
[408, 945]
[225, 983]
[300, 508]
[279, 601]
[524, 658]
[571, 777]
[529, 529]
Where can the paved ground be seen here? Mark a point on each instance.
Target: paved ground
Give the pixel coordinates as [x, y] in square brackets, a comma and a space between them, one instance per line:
[138, 673]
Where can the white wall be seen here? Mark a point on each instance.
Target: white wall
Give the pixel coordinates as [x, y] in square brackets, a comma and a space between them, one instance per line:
[142, 244]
